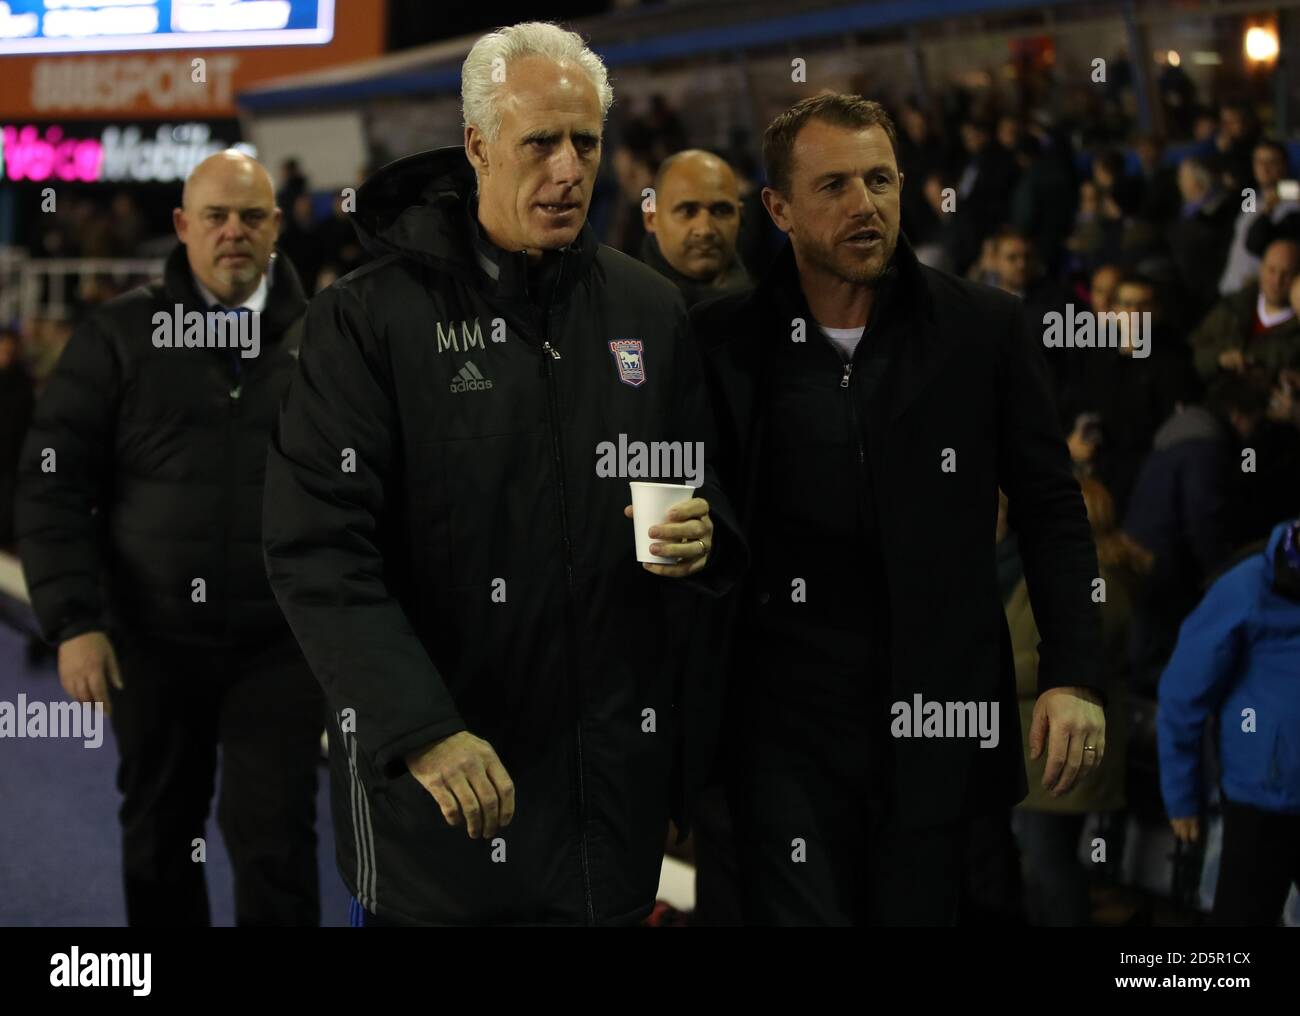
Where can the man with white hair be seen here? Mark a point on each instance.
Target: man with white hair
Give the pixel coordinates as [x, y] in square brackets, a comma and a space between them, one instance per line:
[139, 525]
[456, 564]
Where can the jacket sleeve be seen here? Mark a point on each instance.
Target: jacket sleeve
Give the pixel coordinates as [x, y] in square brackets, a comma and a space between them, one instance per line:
[1193, 685]
[325, 545]
[729, 558]
[1056, 548]
[1210, 338]
[1205, 507]
[58, 513]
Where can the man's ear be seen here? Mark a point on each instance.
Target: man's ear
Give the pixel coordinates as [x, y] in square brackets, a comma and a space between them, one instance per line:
[179, 224]
[777, 207]
[476, 148]
[901, 178]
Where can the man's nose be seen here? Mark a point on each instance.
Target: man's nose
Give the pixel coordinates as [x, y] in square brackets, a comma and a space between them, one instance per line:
[566, 165]
[232, 228]
[862, 200]
[704, 225]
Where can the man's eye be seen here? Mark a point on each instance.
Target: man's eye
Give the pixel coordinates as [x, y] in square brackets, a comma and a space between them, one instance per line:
[833, 185]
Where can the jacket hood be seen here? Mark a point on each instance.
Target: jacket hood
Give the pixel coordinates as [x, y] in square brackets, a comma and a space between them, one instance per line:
[1193, 423]
[418, 208]
[409, 207]
[1270, 551]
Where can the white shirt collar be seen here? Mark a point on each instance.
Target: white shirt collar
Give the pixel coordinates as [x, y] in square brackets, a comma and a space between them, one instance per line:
[256, 301]
[1271, 319]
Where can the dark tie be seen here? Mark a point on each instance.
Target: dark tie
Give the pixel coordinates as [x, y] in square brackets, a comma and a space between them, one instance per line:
[235, 357]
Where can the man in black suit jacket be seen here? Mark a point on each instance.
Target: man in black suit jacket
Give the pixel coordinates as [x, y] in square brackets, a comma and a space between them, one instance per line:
[873, 711]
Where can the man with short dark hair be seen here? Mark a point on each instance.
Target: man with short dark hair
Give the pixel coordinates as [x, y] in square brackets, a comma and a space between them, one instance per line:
[1120, 395]
[869, 408]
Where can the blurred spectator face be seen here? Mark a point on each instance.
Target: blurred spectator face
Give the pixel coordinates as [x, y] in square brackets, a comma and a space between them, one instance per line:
[697, 215]
[302, 210]
[8, 350]
[1269, 166]
[1102, 174]
[1148, 153]
[535, 178]
[1102, 288]
[1193, 181]
[1277, 271]
[1089, 199]
[1205, 127]
[1009, 133]
[1233, 123]
[973, 138]
[1295, 295]
[1011, 262]
[1132, 298]
[632, 172]
[228, 223]
[933, 190]
[913, 123]
[842, 212]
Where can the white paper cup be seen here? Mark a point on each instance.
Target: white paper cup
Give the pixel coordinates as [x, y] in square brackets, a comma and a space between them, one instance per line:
[650, 504]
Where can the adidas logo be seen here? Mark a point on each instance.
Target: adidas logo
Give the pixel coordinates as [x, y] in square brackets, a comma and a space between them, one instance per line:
[468, 379]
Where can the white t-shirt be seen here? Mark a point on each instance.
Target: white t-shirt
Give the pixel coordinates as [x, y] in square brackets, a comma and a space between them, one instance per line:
[844, 339]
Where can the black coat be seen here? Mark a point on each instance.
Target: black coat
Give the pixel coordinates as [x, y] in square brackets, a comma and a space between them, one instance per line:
[967, 379]
[473, 571]
[159, 457]
[17, 401]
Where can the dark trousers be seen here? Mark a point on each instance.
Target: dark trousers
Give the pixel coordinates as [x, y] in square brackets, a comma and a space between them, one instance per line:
[1056, 883]
[265, 710]
[1259, 864]
[816, 840]
[717, 880]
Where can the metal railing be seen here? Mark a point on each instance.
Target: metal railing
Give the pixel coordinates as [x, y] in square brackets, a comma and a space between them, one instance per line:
[32, 288]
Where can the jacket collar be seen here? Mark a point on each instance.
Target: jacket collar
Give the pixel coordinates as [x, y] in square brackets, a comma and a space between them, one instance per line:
[514, 275]
[285, 303]
[734, 276]
[904, 300]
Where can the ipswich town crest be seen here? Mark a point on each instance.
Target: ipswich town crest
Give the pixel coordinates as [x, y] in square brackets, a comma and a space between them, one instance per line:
[627, 357]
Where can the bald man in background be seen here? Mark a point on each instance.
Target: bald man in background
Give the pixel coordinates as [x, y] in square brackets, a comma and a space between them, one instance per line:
[692, 226]
[139, 526]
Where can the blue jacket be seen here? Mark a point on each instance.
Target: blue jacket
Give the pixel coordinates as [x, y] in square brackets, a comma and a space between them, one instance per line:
[1238, 650]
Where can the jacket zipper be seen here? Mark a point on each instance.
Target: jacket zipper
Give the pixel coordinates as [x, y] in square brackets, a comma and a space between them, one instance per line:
[551, 355]
[232, 407]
